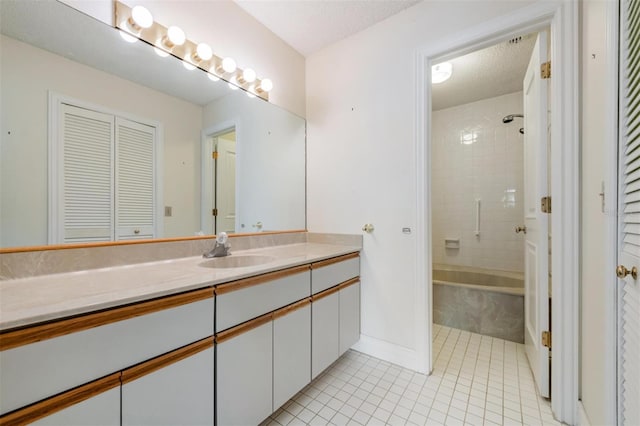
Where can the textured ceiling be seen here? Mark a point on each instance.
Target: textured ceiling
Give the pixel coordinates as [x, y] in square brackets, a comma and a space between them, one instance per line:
[493, 71]
[310, 25]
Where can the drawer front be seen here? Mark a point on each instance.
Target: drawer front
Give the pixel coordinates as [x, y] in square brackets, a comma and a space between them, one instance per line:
[103, 409]
[237, 306]
[325, 277]
[38, 370]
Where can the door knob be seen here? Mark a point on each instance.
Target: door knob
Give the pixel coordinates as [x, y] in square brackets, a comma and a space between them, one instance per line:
[522, 229]
[622, 272]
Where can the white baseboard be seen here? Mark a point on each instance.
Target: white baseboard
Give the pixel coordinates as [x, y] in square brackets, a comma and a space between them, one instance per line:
[386, 351]
[583, 419]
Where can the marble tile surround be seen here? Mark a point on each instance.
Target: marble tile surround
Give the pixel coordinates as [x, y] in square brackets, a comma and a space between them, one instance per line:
[484, 312]
[44, 262]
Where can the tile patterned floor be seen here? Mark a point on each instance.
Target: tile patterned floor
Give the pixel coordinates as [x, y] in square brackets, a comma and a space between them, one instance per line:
[476, 380]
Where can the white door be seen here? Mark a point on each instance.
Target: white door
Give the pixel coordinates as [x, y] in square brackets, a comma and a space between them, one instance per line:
[629, 218]
[537, 223]
[226, 185]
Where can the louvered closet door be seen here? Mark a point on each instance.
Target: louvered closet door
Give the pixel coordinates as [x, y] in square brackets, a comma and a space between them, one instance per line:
[629, 216]
[85, 190]
[135, 201]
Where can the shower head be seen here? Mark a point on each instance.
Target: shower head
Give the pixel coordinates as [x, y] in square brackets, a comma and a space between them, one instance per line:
[509, 118]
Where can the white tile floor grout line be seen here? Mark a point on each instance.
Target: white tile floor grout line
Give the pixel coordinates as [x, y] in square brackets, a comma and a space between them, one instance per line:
[476, 380]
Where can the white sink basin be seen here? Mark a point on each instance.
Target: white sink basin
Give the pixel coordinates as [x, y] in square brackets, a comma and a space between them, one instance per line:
[240, 261]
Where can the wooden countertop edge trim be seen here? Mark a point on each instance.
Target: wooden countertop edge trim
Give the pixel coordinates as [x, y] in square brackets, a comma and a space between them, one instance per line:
[61, 401]
[245, 327]
[325, 293]
[333, 260]
[162, 361]
[35, 333]
[259, 279]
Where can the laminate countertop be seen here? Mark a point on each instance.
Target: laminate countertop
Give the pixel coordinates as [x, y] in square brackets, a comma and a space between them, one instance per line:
[33, 300]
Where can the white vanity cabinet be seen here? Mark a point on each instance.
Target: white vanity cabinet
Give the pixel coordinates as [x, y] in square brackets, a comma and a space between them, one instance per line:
[174, 389]
[291, 351]
[335, 310]
[325, 324]
[244, 362]
[57, 369]
[349, 324]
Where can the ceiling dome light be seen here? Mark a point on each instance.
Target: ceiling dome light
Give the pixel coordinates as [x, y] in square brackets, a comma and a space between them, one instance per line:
[229, 65]
[249, 75]
[203, 52]
[266, 85]
[441, 72]
[141, 17]
[175, 37]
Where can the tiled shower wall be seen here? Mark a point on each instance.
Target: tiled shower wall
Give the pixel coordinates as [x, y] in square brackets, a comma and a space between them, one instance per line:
[476, 156]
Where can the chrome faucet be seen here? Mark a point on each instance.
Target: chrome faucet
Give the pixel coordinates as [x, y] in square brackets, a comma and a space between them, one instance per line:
[221, 248]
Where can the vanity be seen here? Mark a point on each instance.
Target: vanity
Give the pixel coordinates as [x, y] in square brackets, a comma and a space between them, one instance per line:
[200, 343]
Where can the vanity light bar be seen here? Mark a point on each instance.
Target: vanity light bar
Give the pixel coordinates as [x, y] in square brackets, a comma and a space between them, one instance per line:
[189, 52]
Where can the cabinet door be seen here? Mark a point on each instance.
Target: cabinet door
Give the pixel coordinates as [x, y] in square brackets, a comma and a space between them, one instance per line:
[291, 354]
[324, 323]
[102, 409]
[180, 393]
[244, 364]
[349, 316]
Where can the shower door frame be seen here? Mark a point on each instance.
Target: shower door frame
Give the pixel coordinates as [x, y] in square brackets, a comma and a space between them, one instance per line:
[562, 17]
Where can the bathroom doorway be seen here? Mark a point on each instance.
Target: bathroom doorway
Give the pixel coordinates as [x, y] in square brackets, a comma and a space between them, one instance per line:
[219, 182]
[489, 156]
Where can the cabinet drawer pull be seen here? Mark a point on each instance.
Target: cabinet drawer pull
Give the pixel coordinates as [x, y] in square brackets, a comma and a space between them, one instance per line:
[260, 279]
[243, 328]
[334, 260]
[61, 401]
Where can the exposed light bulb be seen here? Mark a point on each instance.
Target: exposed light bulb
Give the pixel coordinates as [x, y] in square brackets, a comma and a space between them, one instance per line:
[441, 72]
[160, 52]
[266, 85]
[232, 83]
[141, 17]
[188, 66]
[249, 75]
[213, 77]
[229, 65]
[128, 37]
[175, 37]
[203, 52]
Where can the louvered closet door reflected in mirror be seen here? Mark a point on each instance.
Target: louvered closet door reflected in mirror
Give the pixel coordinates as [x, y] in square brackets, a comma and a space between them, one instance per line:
[103, 179]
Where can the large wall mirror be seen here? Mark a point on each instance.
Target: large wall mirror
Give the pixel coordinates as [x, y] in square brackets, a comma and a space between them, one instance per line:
[105, 140]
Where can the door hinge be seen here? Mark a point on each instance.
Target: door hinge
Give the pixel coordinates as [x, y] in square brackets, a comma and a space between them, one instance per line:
[546, 339]
[214, 155]
[545, 70]
[214, 212]
[545, 204]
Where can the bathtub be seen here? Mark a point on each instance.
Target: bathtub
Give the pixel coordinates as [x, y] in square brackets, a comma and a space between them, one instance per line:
[479, 300]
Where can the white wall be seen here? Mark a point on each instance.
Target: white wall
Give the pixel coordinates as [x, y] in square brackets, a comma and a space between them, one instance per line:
[27, 74]
[270, 166]
[595, 290]
[231, 32]
[490, 169]
[361, 111]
